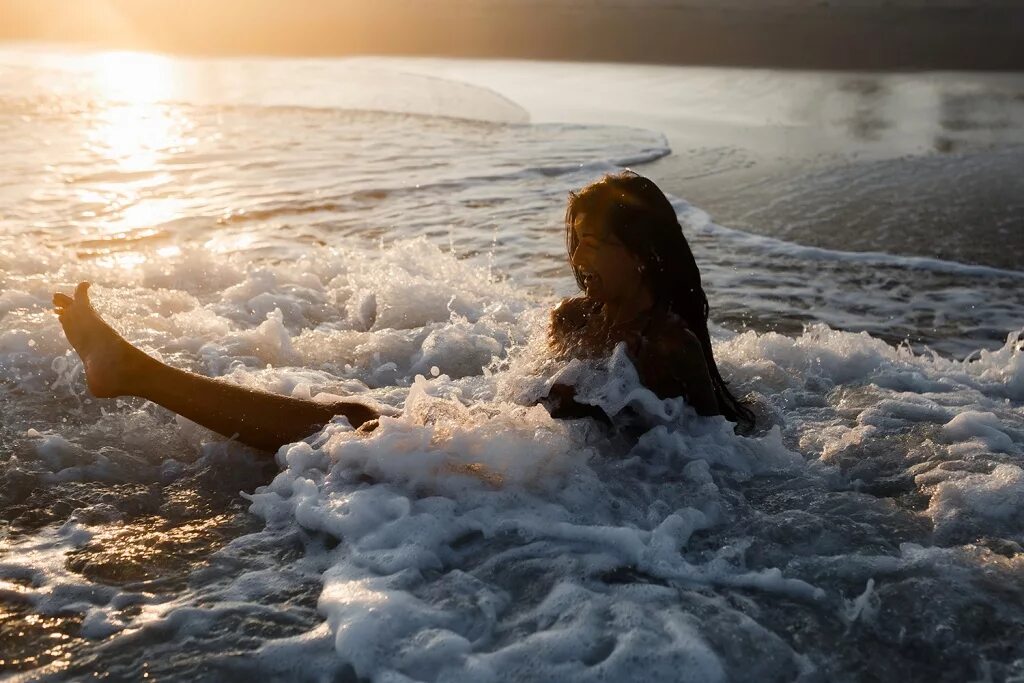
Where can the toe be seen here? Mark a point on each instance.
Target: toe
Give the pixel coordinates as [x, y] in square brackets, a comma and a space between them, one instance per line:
[62, 300]
[82, 292]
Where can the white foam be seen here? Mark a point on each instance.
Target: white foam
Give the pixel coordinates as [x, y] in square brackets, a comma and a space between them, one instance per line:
[447, 508]
[470, 536]
[981, 430]
[968, 500]
[864, 607]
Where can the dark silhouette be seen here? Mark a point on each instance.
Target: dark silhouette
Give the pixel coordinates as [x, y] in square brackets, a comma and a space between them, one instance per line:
[641, 286]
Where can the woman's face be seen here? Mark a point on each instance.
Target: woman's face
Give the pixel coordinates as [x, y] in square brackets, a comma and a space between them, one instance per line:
[611, 273]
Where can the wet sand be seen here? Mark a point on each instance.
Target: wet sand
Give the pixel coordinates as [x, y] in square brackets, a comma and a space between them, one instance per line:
[920, 165]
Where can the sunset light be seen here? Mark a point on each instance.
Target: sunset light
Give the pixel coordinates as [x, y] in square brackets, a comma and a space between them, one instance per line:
[512, 341]
[134, 126]
[133, 77]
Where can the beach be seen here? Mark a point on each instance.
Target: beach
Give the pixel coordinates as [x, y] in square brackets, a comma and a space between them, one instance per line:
[391, 228]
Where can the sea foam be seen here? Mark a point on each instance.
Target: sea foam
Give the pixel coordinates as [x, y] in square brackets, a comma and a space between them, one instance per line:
[877, 508]
[471, 536]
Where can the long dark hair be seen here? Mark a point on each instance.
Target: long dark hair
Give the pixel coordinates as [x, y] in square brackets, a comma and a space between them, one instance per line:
[642, 218]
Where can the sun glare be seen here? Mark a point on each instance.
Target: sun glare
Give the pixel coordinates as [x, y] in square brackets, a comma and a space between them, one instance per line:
[125, 260]
[223, 243]
[133, 77]
[136, 126]
[146, 213]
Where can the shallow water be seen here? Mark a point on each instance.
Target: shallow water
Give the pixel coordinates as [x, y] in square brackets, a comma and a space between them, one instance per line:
[408, 256]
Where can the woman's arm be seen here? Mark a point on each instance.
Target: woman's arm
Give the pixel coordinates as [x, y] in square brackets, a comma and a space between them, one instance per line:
[562, 404]
[113, 367]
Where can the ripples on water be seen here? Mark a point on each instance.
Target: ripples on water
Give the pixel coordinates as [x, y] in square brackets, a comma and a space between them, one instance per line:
[872, 531]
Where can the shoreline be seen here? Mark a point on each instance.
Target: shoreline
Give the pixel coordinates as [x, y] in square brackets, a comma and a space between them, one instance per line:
[906, 38]
[905, 161]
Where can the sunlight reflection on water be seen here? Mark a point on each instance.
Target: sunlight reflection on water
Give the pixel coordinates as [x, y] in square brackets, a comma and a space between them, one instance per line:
[271, 244]
[134, 130]
[137, 136]
[132, 76]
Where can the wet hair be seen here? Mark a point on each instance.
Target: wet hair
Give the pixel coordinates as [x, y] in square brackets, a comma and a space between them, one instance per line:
[640, 216]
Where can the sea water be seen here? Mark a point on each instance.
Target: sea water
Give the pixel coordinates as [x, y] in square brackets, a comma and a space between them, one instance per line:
[398, 238]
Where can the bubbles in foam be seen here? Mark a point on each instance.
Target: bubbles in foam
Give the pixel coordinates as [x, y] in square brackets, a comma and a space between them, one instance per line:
[471, 537]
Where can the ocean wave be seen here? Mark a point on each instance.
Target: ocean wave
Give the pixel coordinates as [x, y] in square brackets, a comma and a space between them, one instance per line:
[76, 77]
[702, 222]
[473, 537]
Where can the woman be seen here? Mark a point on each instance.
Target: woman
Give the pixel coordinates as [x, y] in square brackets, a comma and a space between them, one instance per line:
[641, 286]
[627, 251]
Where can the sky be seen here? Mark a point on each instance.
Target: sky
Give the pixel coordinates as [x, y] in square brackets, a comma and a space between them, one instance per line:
[788, 33]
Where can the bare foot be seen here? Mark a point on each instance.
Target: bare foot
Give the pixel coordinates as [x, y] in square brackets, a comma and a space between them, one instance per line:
[111, 363]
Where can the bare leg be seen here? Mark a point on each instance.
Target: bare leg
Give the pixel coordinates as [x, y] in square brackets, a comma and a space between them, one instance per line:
[113, 367]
